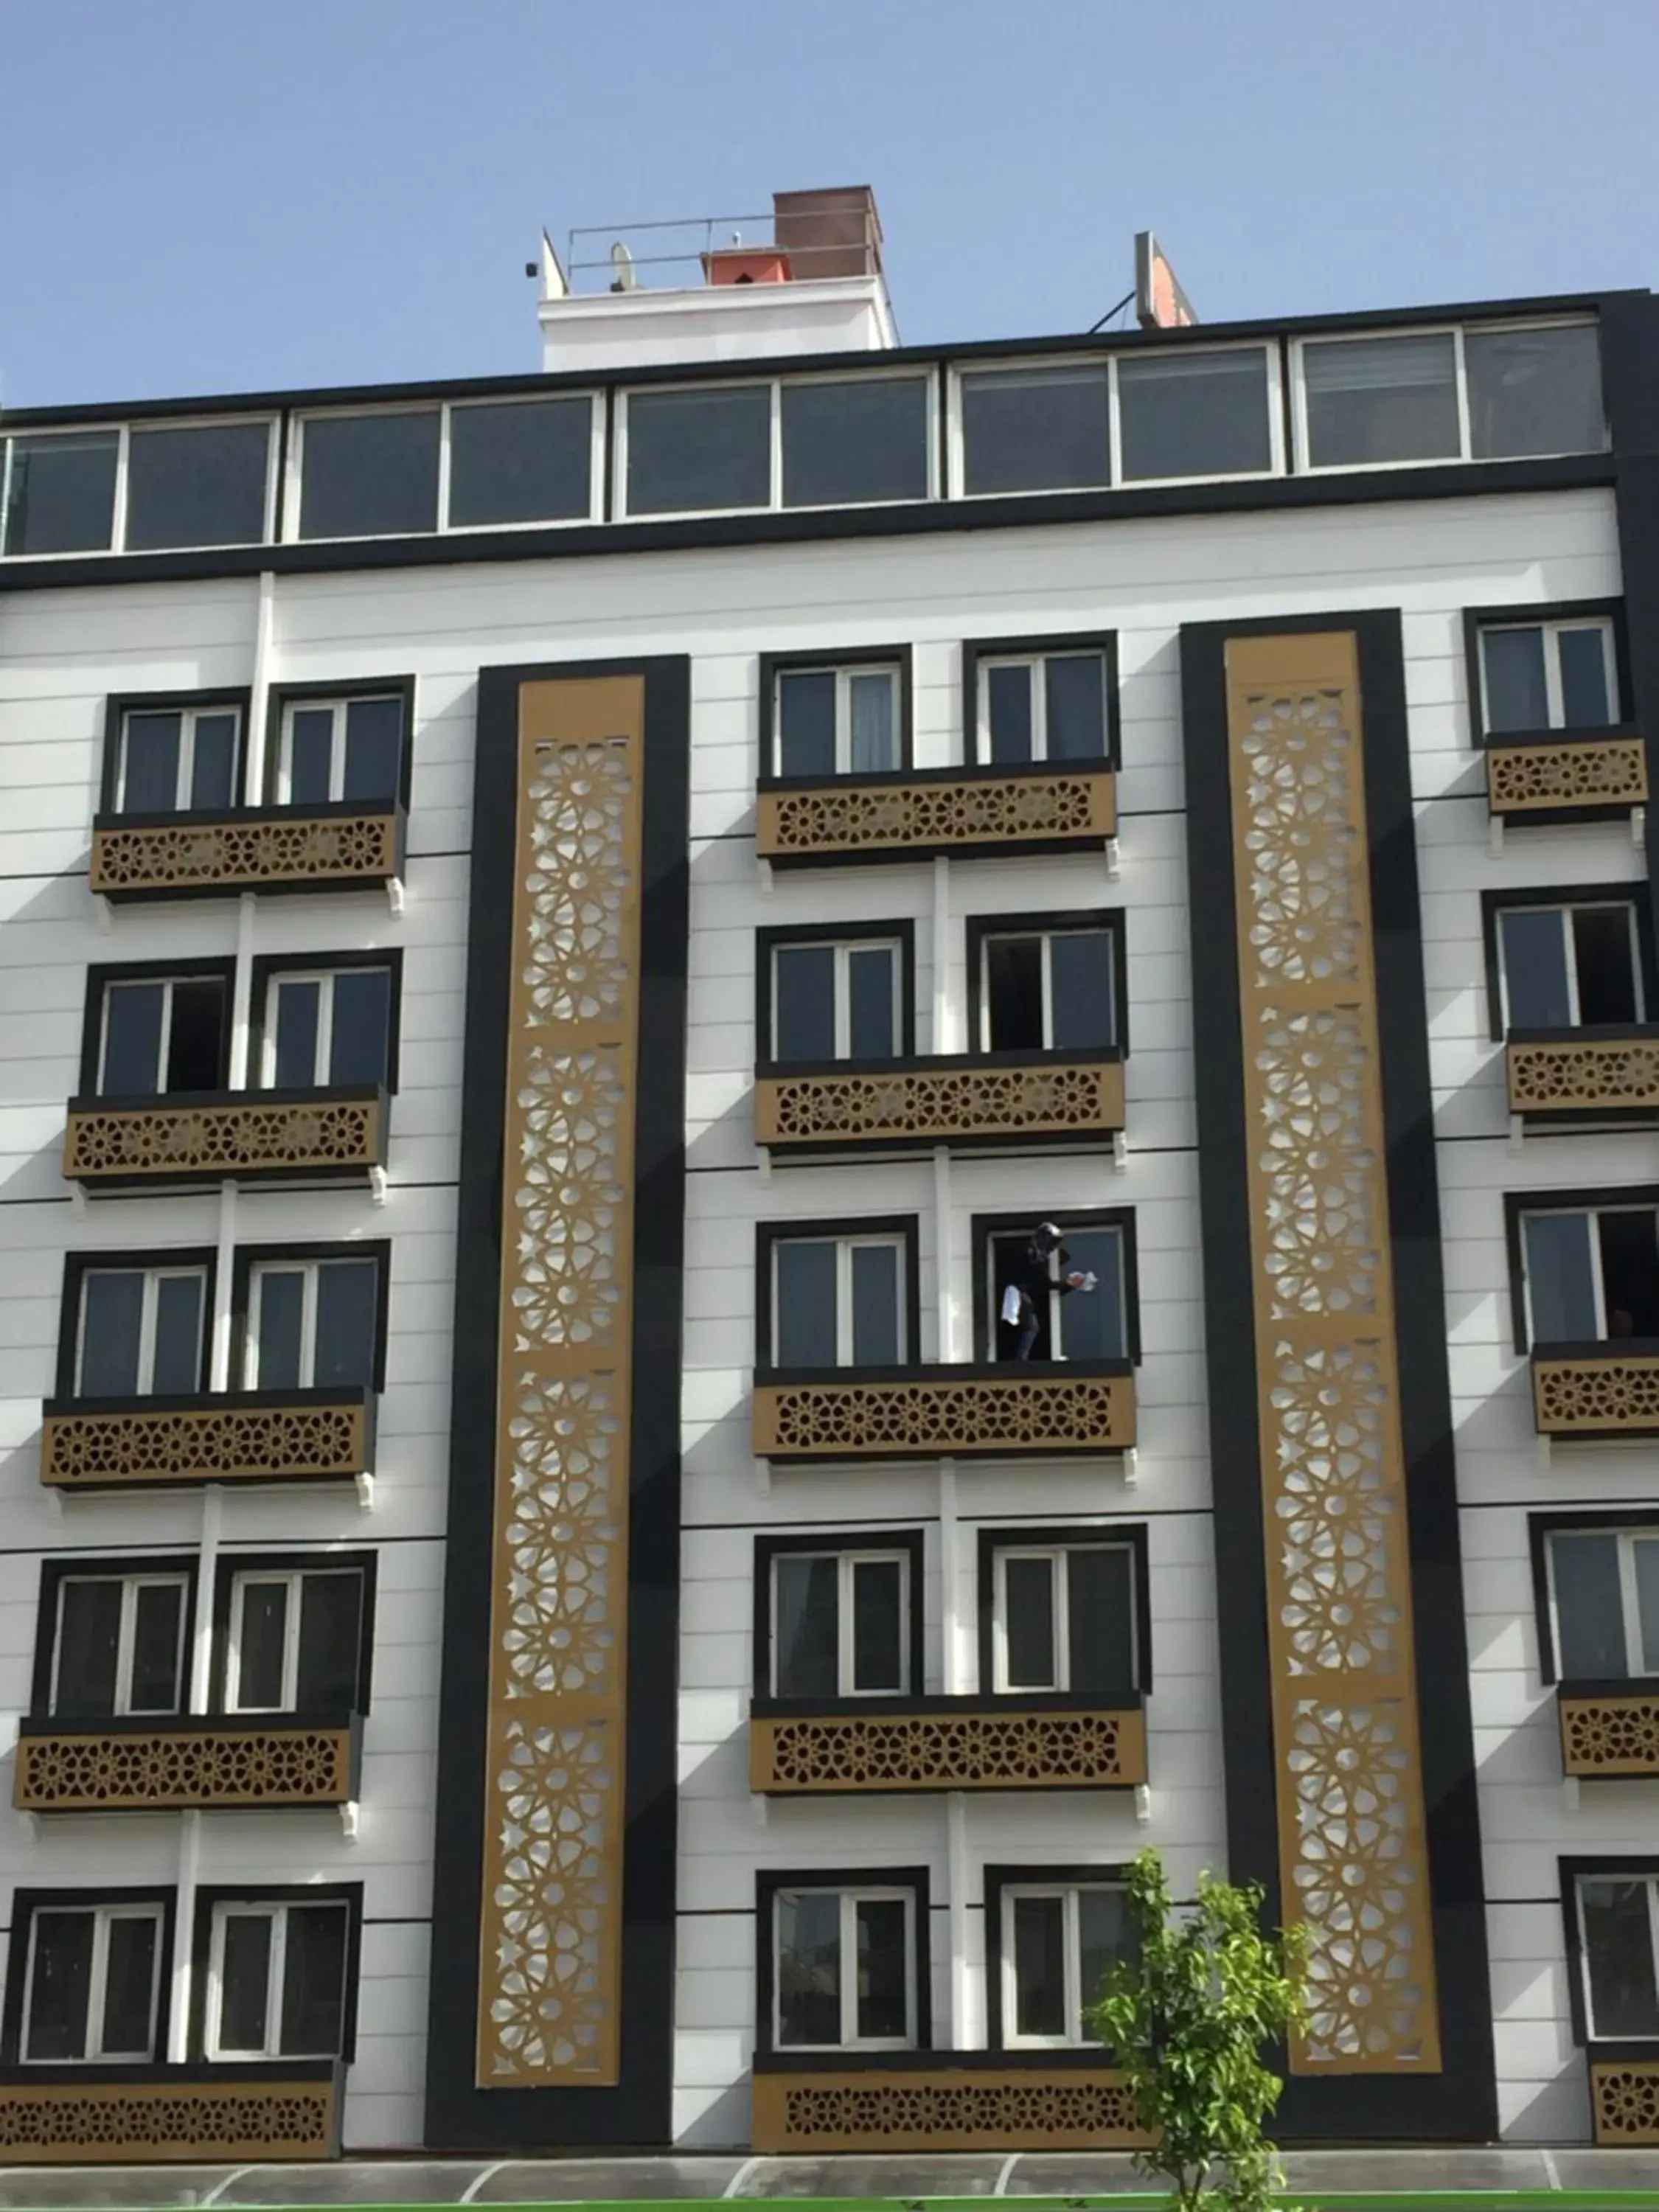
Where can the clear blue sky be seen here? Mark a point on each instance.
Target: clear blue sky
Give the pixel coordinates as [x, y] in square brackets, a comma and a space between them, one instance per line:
[218, 195]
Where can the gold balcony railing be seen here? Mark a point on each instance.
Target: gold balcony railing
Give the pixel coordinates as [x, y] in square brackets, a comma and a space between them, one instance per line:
[976, 1412]
[239, 1435]
[1596, 1390]
[1609, 1728]
[1624, 2094]
[185, 1762]
[1605, 1075]
[911, 813]
[980, 1098]
[338, 846]
[956, 2100]
[334, 1135]
[1560, 776]
[914, 1744]
[154, 2114]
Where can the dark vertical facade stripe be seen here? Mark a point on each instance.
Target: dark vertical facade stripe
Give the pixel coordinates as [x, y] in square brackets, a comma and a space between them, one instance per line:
[1630, 379]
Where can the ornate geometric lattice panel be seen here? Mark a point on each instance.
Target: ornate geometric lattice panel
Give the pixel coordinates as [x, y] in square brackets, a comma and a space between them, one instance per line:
[137, 2122]
[252, 1443]
[1624, 2100]
[239, 856]
[1583, 1074]
[550, 1945]
[1353, 1851]
[1609, 1734]
[984, 1750]
[236, 1765]
[925, 1105]
[1057, 806]
[852, 1420]
[325, 1135]
[1596, 1396]
[1599, 772]
[1025, 2108]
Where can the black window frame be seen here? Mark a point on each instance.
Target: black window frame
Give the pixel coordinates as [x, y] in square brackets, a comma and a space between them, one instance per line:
[78, 1265]
[1494, 904]
[800, 662]
[995, 1537]
[1570, 1870]
[770, 1546]
[1524, 615]
[210, 1896]
[25, 1904]
[769, 1882]
[1611, 1198]
[769, 940]
[976, 651]
[905, 1226]
[981, 1227]
[281, 696]
[100, 976]
[119, 704]
[1000, 1877]
[267, 967]
[74, 1566]
[229, 1564]
[1057, 921]
[1608, 1520]
[248, 1256]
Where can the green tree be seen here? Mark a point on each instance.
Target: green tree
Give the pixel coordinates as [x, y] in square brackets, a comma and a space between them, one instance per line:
[1187, 2021]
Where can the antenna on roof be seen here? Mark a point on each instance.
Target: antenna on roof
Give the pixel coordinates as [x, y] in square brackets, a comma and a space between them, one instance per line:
[622, 262]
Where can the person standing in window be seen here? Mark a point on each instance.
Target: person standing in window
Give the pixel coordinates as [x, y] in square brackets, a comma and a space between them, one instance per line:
[1026, 1297]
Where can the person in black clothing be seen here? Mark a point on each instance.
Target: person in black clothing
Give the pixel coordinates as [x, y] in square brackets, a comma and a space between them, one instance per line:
[1025, 1298]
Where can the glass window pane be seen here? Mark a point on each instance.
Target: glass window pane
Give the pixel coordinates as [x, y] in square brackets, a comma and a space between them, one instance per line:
[1075, 706]
[261, 1646]
[1040, 1966]
[1534, 945]
[195, 1034]
[804, 1002]
[876, 1328]
[330, 1615]
[690, 450]
[882, 1986]
[872, 737]
[373, 749]
[89, 1646]
[1382, 399]
[1105, 1936]
[1028, 1628]
[347, 1297]
[1100, 1618]
[245, 1982]
[281, 1295]
[1517, 697]
[62, 498]
[808, 1968]
[369, 476]
[149, 767]
[1013, 992]
[1009, 713]
[1603, 945]
[529, 460]
[200, 487]
[845, 444]
[1205, 416]
[132, 1040]
[1560, 1280]
[311, 752]
[60, 1985]
[1034, 429]
[1534, 392]
[129, 2022]
[878, 1602]
[1618, 1958]
[1080, 989]
[805, 1664]
[873, 1009]
[804, 1332]
[1094, 1324]
[806, 723]
[299, 1012]
[1589, 1609]
[157, 1626]
[1630, 1271]
[111, 1318]
[176, 1361]
[1646, 1549]
[1583, 658]
[213, 771]
[358, 1040]
[313, 1981]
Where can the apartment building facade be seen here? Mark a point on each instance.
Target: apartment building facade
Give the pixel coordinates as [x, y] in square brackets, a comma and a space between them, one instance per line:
[577, 1572]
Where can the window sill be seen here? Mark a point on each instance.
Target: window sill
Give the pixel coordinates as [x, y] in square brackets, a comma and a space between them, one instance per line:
[152, 2113]
[207, 1435]
[964, 1100]
[1599, 1075]
[837, 1747]
[181, 1762]
[1587, 1390]
[221, 853]
[193, 1139]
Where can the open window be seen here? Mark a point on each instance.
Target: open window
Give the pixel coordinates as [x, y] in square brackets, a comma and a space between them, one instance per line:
[346, 747]
[1044, 699]
[837, 1295]
[1052, 1936]
[1589, 1273]
[827, 995]
[158, 1034]
[136, 1328]
[326, 1022]
[838, 1616]
[174, 756]
[1064, 1611]
[844, 1961]
[842, 715]
[1613, 1933]
[280, 1971]
[1572, 963]
[296, 1635]
[114, 1639]
[1546, 672]
[1097, 1323]
[313, 1318]
[89, 1978]
[1045, 983]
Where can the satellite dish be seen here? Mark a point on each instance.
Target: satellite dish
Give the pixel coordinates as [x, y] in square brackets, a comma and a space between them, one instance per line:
[622, 262]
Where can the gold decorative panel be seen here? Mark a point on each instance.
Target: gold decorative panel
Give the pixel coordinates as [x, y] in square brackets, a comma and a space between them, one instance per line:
[1624, 2100]
[1054, 806]
[1584, 1075]
[937, 1102]
[1595, 773]
[945, 2108]
[990, 1749]
[236, 1762]
[276, 853]
[90, 1450]
[1597, 1396]
[1610, 1734]
[325, 1135]
[1352, 1848]
[148, 2122]
[945, 1413]
[550, 1945]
